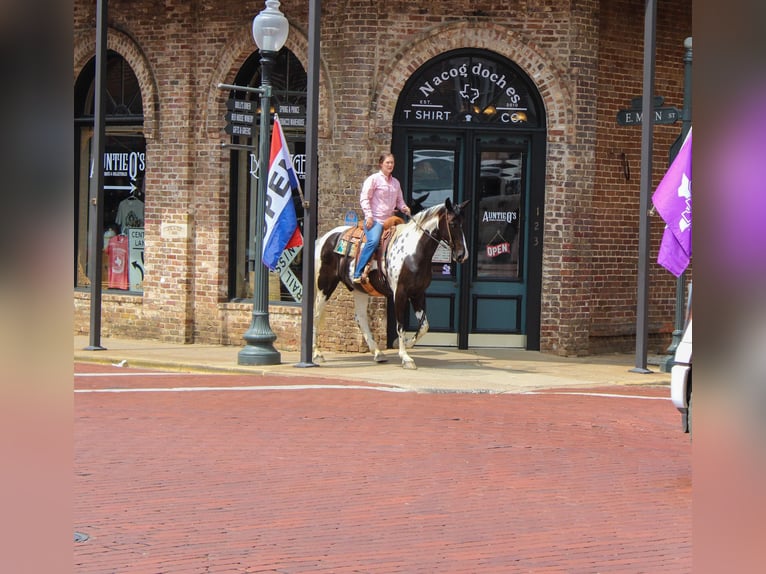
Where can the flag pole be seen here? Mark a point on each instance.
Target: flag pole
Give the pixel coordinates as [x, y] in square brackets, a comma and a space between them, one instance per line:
[686, 122]
[309, 202]
[647, 137]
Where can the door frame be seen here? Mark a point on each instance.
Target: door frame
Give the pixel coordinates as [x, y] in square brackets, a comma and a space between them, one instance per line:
[534, 233]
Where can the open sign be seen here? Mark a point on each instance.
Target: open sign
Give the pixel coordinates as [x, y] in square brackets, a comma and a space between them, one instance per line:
[500, 248]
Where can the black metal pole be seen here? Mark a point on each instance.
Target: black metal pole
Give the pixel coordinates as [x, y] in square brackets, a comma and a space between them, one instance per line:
[647, 137]
[96, 188]
[259, 337]
[312, 179]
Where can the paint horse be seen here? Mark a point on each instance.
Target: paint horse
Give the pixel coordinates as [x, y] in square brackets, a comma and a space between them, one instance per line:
[402, 272]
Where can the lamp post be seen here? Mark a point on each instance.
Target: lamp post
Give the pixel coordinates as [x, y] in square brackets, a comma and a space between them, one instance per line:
[686, 124]
[270, 29]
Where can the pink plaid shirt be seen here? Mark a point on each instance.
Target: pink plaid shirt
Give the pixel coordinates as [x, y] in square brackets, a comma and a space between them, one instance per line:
[381, 196]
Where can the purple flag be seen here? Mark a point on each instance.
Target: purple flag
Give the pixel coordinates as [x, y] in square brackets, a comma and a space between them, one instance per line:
[673, 201]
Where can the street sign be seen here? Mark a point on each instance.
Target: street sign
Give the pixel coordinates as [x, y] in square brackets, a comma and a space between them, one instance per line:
[633, 117]
[288, 278]
[243, 116]
[241, 105]
[291, 110]
[239, 130]
[239, 118]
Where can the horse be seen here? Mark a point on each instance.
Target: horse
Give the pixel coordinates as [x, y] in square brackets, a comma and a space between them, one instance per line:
[402, 272]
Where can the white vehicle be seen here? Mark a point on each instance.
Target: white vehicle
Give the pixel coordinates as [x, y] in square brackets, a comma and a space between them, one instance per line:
[681, 378]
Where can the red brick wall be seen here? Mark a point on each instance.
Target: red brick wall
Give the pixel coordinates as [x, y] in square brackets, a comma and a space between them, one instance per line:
[616, 205]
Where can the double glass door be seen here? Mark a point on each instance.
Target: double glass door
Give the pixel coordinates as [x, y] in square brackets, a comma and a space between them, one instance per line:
[483, 302]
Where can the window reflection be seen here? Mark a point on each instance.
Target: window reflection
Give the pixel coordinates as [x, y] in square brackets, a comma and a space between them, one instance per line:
[433, 181]
[499, 216]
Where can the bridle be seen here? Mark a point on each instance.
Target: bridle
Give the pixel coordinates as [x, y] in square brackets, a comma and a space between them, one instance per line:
[448, 244]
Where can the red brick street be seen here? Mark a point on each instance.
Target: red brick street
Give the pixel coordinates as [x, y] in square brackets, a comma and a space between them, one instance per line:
[193, 473]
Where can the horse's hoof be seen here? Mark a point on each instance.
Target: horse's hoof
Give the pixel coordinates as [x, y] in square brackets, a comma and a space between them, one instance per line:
[380, 358]
[409, 365]
[318, 359]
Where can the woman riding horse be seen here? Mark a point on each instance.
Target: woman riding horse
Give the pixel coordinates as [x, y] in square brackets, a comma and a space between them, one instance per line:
[381, 196]
[406, 271]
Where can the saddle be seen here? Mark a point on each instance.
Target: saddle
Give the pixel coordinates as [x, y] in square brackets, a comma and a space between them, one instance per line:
[350, 245]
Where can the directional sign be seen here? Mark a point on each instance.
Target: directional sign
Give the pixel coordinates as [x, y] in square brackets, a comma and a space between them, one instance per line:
[241, 105]
[239, 118]
[291, 110]
[661, 116]
[239, 130]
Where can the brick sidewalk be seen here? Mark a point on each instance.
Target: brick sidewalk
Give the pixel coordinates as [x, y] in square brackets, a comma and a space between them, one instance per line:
[346, 480]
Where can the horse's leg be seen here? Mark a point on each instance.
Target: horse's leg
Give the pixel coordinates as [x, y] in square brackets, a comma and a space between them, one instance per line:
[320, 302]
[419, 306]
[361, 300]
[325, 283]
[400, 310]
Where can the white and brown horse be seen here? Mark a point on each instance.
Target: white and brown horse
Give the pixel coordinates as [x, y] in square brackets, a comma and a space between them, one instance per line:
[403, 273]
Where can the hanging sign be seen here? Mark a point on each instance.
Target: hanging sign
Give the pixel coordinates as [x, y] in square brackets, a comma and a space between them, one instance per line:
[498, 249]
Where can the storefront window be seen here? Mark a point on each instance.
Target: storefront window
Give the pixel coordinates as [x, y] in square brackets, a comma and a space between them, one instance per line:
[288, 83]
[124, 168]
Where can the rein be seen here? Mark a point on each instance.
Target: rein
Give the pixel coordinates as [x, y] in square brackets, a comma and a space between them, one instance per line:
[430, 236]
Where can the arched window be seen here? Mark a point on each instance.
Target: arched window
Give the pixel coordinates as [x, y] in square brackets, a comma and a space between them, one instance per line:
[288, 82]
[124, 165]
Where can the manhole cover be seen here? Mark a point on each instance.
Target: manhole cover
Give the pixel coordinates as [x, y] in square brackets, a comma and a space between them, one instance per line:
[80, 537]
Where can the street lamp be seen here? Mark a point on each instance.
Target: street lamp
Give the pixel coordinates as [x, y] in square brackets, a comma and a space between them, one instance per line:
[686, 123]
[270, 29]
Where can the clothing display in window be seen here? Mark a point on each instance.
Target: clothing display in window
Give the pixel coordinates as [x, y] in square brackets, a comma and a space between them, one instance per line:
[117, 251]
[130, 213]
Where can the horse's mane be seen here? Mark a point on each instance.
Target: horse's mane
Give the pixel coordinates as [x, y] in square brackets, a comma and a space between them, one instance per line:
[422, 216]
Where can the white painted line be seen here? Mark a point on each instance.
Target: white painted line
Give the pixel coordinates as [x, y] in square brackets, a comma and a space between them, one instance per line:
[609, 395]
[249, 388]
[134, 374]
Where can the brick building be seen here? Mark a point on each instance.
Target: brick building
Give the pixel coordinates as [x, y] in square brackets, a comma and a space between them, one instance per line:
[510, 104]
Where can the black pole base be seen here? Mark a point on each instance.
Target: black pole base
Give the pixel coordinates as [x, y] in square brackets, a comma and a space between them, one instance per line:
[264, 354]
[304, 365]
[94, 348]
[640, 370]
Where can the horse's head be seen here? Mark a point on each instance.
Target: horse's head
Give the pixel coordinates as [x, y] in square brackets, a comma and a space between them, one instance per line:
[451, 229]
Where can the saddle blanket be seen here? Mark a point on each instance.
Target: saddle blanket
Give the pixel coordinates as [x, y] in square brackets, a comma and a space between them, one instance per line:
[349, 243]
[346, 247]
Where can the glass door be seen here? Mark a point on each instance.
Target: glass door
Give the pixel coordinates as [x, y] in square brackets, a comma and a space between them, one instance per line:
[435, 173]
[483, 302]
[496, 284]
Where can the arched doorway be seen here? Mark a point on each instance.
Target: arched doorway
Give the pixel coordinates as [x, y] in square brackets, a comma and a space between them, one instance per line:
[288, 81]
[469, 124]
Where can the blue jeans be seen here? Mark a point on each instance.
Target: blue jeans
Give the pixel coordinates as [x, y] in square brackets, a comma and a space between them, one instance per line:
[373, 238]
